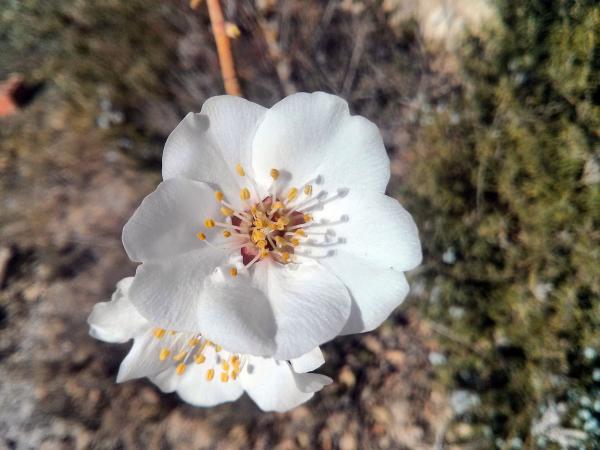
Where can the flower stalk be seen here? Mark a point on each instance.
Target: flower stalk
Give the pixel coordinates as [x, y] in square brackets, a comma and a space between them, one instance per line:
[230, 81]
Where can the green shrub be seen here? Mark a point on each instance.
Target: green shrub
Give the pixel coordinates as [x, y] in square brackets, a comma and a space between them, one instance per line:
[506, 183]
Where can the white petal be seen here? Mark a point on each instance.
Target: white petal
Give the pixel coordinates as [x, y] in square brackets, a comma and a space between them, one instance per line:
[167, 292]
[118, 320]
[237, 315]
[309, 361]
[372, 227]
[376, 291]
[207, 146]
[194, 388]
[167, 222]
[310, 135]
[143, 359]
[167, 380]
[311, 382]
[309, 306]
[272, 384]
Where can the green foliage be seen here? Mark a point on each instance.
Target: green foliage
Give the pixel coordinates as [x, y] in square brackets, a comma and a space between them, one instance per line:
[120, 47]
[504, 179]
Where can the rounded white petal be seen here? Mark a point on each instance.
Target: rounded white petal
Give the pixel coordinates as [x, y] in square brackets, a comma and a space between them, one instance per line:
[375, 291]
[143, 359]
[309, 361]
[117, 321]
[310, 135]
[168, 292]
[207, 146]
[195, 389]
[372, 227]
[167, 222]
[273, 386]
[167, 380]
[292, 309]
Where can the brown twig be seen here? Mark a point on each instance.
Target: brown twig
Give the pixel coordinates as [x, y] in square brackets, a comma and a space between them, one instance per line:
[232, 87]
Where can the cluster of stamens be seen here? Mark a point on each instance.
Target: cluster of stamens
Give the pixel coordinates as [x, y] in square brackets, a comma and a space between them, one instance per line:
[270, 226]
[183, 349]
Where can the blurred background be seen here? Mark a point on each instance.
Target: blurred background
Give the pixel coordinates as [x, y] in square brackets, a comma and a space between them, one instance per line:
[490, 113]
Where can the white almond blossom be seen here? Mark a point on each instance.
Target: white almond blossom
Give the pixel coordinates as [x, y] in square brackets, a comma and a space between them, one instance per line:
[271, 232]
[200, 371]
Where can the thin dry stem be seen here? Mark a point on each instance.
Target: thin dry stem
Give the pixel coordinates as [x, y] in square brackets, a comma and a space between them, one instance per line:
[232, 87]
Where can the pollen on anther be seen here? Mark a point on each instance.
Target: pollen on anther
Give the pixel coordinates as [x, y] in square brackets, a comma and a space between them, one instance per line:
[300, 232]
[295, 242]
[164, 354]
[292, 194]
[210, 374]
[209, 223]
[225, 366]
[226, 233]
[227, 211]
[233, 272]
[274, 174]
[180, 356]
[224, 377]
[245, 194]
[199, 359]
[159, 332]
[180, 369]
[219, 196]
[308, 189]
[307, 217]
[240, 170]
[201, 236]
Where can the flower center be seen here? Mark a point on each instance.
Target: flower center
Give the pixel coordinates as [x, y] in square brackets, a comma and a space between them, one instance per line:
[182, 349]
[271, 226]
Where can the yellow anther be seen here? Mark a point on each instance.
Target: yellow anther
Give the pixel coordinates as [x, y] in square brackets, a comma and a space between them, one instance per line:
[193, 342]
[245, 194]
[240, 170]
[276, 206]
[295, 242]
[300, 232]
[292, 194]
[159, 332]
[260, 223]
[285, 256]
[261, 244]
[260, 214]
[307, 217]
[180, 369]
[225, 366]
[280, 241]
[284, 220]
[219, 196]
[280, 225]
[226, 233]
[308, 189]
[227, 211]
[180, 356]
[201, 236]
[264, 253]
[233, 359]
[172, 332]
[224, 377]
[272, 226]
[210, 374]
[234, 374]
[164, 354]
[253, 210]
[233, 272]
[199, 358]
[274, 174]
[209, 223]
[258, 235]
[218, 348]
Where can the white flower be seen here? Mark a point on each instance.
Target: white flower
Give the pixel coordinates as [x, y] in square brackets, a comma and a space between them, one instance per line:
[271, 232]
[201, 372]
